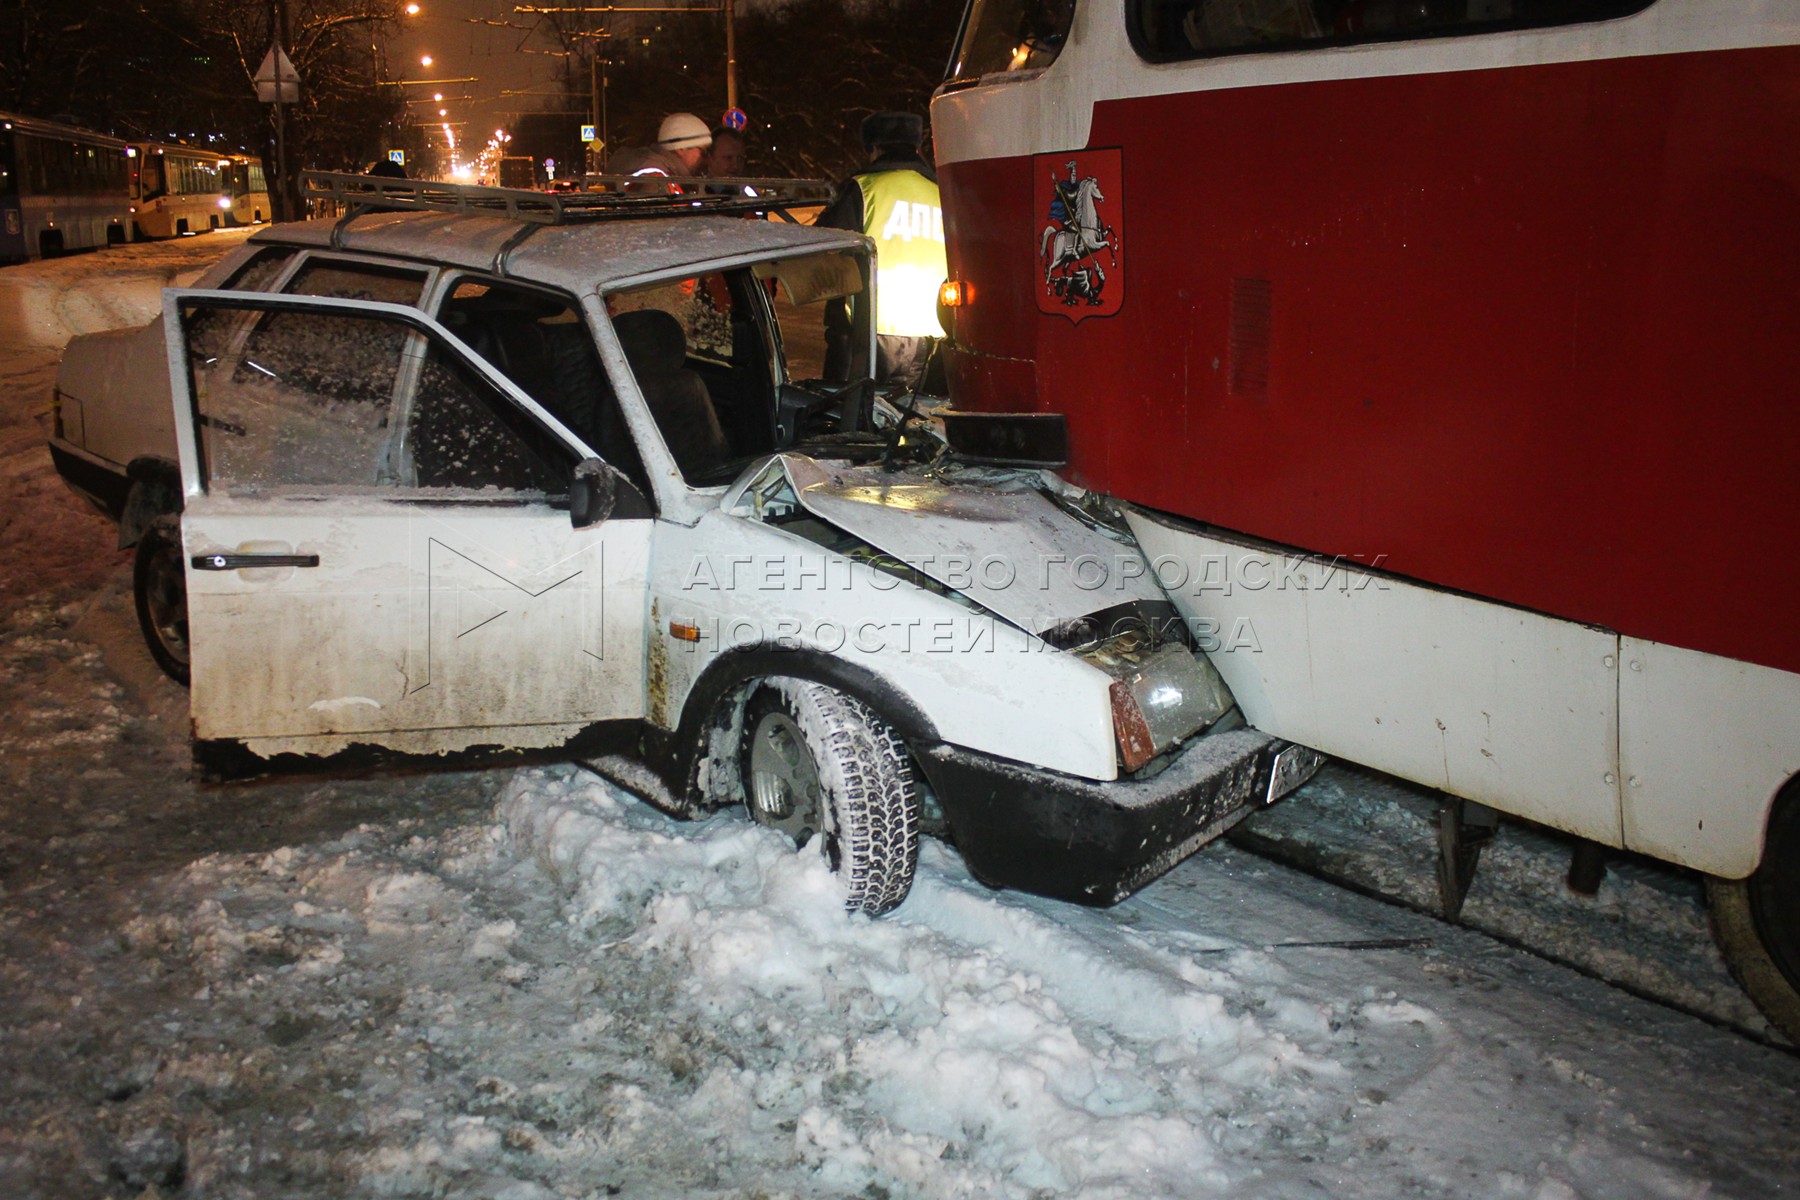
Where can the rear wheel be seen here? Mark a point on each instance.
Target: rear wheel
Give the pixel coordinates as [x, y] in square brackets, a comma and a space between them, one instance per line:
[819, 764]
[1757, 920]
[159, 584]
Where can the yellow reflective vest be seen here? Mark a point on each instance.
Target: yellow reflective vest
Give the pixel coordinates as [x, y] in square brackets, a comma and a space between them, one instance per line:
[902, 212]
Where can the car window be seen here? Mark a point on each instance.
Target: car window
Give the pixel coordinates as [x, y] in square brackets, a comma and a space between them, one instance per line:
[306, 399]
[703, 354]
[357, 281]
[804, 288]
[302, 399]
[539, 341]
[462, 433]
[260, 271]
[702, 304]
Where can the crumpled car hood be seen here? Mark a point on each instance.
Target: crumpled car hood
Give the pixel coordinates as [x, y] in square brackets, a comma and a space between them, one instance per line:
[1010, 549]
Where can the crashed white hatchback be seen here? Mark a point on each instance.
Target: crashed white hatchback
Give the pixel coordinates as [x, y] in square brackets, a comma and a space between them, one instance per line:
[485, 481]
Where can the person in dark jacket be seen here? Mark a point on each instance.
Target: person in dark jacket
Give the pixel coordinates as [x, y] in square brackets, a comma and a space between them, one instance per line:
[895, 201]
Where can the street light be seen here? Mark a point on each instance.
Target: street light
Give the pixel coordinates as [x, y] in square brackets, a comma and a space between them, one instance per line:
[412, 10]
[425, 60]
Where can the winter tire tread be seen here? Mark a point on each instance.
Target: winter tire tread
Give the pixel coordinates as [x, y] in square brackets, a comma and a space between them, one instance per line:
[867, 778]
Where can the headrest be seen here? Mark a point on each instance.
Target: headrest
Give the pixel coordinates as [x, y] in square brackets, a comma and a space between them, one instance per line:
[653, 341]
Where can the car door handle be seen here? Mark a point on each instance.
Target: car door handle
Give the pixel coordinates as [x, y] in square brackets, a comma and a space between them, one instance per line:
[240, 562]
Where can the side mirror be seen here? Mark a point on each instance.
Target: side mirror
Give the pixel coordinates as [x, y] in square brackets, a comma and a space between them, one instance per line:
[593, 493]
[598, 492]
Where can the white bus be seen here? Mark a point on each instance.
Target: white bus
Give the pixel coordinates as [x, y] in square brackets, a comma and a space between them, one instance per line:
[177, 190]
[1449, 352]
[61, 189]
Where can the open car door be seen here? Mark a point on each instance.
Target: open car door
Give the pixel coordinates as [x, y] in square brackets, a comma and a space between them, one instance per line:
[378, 546]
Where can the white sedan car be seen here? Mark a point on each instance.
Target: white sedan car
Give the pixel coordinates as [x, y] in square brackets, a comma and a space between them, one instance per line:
[469, 482]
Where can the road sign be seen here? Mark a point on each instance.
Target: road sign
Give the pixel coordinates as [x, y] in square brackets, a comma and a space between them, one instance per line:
[734, 118]
[588, 134]
[397, 156]
[276, 80]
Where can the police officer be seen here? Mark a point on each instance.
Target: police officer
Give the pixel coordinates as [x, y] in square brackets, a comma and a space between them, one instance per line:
[895, 201]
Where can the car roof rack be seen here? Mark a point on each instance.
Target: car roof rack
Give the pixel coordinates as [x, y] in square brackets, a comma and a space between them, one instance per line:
[699, 197]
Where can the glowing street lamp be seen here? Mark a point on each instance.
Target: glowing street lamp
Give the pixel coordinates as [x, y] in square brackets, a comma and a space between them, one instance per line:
[425, 60]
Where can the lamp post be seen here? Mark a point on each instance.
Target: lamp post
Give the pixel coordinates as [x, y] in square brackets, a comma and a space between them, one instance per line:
[730, 54]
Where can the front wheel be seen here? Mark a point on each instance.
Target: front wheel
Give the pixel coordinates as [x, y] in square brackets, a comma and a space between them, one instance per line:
[818, 763]
[159, 584]
[1757, 920]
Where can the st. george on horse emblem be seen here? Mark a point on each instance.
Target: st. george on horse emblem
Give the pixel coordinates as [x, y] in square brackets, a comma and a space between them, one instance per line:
[1081, 253]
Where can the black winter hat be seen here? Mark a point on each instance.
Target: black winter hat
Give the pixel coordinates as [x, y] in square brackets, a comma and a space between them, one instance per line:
[892, 129]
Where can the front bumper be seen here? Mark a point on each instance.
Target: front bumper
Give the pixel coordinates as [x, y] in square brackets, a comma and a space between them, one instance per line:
[1023, 827]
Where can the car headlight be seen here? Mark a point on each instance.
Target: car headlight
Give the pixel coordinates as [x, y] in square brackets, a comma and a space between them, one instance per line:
[1161, 694]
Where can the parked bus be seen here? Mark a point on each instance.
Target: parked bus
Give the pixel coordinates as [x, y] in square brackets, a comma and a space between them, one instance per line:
[177, 190]
[1448, 353]
[247, 189]
[61, 189]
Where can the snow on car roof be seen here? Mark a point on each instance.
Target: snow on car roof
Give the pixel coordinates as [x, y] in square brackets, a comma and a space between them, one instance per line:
[577, 258]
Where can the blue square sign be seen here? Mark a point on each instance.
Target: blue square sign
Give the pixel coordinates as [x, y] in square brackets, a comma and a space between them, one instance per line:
[587, 134]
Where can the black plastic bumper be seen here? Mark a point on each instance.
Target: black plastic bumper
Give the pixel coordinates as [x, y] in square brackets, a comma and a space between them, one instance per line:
[1023, 827]
[101, 486]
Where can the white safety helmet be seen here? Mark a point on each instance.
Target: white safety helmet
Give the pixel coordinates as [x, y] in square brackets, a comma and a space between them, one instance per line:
[683, 131]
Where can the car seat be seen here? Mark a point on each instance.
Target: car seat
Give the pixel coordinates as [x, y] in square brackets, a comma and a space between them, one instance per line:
[656, 348]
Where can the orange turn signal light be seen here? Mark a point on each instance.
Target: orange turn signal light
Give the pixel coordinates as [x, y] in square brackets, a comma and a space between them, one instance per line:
[953, 293]
[683, 632]
[1136, 745]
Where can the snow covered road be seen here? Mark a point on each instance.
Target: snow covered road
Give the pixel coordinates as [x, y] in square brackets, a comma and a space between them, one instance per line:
[525, 984]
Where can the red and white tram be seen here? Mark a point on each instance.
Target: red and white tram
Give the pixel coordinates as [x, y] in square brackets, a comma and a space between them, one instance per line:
[1452, 348]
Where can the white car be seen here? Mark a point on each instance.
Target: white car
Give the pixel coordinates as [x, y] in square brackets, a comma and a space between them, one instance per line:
[448, 483]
